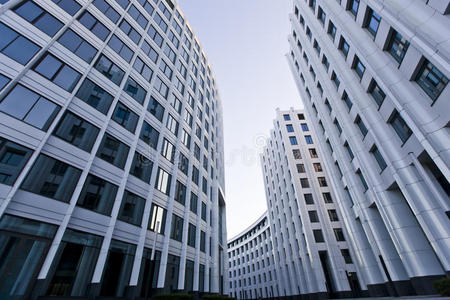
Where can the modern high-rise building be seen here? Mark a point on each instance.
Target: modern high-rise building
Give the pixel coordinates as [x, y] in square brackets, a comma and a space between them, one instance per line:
[312, 255]
[111, 152]
[373, 76]
[251, 264]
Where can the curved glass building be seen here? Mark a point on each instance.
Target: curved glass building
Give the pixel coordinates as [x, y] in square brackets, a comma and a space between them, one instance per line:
[111, 152]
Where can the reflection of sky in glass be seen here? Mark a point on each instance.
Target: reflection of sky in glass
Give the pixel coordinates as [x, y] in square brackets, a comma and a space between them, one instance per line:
[157, 219]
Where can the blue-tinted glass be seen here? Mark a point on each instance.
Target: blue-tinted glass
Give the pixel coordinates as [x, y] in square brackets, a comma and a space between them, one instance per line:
[70, 6]
[48, 24]
[8, 35]
[42, 114]
[29, 11]
[21, 50]
[70, 40]
[3, 81]
[95, 96]
[67, 78]
[18, 102]
[3, 1]
[123, 3]
[48, 66]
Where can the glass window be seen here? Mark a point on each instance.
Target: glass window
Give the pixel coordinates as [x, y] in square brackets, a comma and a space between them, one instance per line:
[331, 30]
[335, 80]
[107, 10]
[183, 163]
[349, 150]
[344, 46]
[95, 96]
[13, 158]
[304, 182]
[431, 80]
[203, 212]
[327, 197]
[202, 241]
[155, 108]
[157, 219]
[304, 127]
[176, 229]
[166, 70]
[131, 208]
[397, 46]
[156, 37]
[120, 48]
[139, 17]
[401, 128]
[77, 45]
[346, 254]
[149, 135]
[373, 21]
[286, 117]
[3, 81]
[308, 198]
[358, 67]
[94, 25]
[161, 87]
[193, 203]
[317, 167]
[363, 180]
[37, 16]
[172, 273]
[353, 6]
[125, 117]
[168, 150]
[308, 139]
[378, 157]
[51, 178]
[135, 90]
[149, 51]
[322, 181]
[300, 168]
[74, 264]
[191, 235]
[313, 216]
[15, 46]
[185, 138]
[97, 195]
[69, 6]
[195, 175]
[160, 22]
[76, 131]
[29, 107]
[348, 102]
[339, 234]
[25, 244]
[189, 273]
[118, 268]
[377, 93]
[289, 128]
[318, 236]
[313, 153]
[163, 180]
[113, 151]
[172, 125]
[362, 127]
[143, 69]
[105, 66]
[130, 31]
[141, 167]
[293, 140]
[57, 72]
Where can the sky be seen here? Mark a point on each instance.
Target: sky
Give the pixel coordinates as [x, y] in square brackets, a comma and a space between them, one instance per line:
[246, 44]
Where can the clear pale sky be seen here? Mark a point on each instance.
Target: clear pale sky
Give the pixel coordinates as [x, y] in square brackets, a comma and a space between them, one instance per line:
[246, 44]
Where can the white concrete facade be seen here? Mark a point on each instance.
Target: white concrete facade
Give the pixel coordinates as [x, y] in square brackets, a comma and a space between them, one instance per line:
[175, 143]
[312, 256]
[251, 264]
[373, 78]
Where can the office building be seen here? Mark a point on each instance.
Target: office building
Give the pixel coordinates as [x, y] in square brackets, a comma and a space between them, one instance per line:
[111, 152]
[251, 264]
[373, 77]
[312, 256]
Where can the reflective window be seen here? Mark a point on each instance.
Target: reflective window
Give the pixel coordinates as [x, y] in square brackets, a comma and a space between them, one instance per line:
[149, 51]
[176, 229]
[107, 10]
[339, 234]
[161, 87]
[29, 107]
[166, 70]
[156, 37]
[120, 48]
[318, 236]
[348, 102]
[141, 167]
[95, 96]
[3, 81]
[378, 157]
[70, 6]
[157, 219]
[135, 90]
[172, 273]
[25, 244]
[293, 140]
[353, 6]
[183, 163]
[155, 108]
[168, 150]
[37, 16]
[57, 72]
[170, 53]
[372, 22]
[160, 22]
[13, 158]
[16, 46]
[358, 67]
[94, 25]
[130, 31]
[139, 17]
[377, 93]
[118, 266]
[180, 192]
[431, 80]
[147, 6]
[125, 117]
[195, 175]
[113, 151]
[398, 45]
[401, 128]
[143, 69]
[194, 203]
[97, 195]
[308, 139]
[344, 46]
[74, 264]
[76, 131]
[191, 236]
[77, 45]
[203, 212]
[362, 127]
[131, 208]
[163, 180]
[172, 125]
[202, 241]
[149, 135]
[51, 178]
[105, 66]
